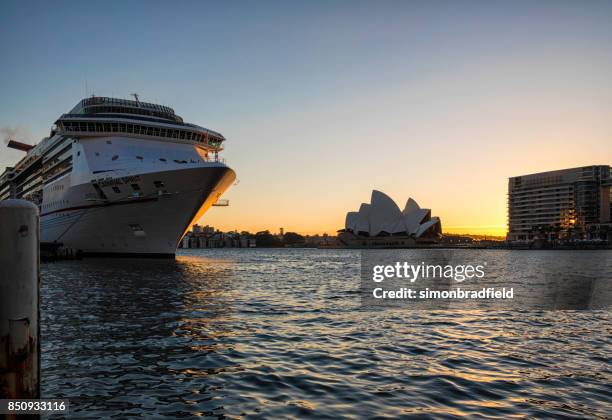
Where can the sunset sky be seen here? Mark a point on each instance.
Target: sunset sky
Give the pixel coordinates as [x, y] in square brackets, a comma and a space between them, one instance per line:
[321, 102]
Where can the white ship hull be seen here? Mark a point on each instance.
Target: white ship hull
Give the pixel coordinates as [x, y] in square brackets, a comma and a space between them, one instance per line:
[119, 177]
[96, 210]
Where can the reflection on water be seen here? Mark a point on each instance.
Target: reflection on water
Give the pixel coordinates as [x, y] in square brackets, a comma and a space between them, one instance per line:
[281, 333]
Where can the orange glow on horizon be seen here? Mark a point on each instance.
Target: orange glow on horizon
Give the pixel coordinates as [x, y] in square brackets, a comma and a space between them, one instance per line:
[219, 223]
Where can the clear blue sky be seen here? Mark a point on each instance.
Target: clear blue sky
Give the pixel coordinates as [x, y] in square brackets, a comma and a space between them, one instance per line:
[323, 101]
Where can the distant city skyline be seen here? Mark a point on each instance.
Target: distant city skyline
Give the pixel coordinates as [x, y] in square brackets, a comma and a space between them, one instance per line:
[321, 102]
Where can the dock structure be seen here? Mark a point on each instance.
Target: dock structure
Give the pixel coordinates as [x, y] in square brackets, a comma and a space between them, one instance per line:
[19, 300]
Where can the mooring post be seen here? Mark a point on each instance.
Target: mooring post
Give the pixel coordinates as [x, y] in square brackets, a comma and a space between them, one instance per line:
[19, 300]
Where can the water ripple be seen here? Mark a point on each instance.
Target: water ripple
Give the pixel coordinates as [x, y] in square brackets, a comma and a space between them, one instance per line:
[281, 334]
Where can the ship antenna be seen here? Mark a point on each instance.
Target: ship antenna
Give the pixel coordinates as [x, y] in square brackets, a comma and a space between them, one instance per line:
[135, 95]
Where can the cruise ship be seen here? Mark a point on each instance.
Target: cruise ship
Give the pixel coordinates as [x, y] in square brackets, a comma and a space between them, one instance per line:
[120, 177]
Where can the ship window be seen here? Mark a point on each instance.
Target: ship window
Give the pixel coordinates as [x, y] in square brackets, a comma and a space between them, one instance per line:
[158, 184]
[139, 157]
[117, 190]
[79, 153]
[162, 159]
[135, 187]
[108, 142]
[107, 127]
[115, 157]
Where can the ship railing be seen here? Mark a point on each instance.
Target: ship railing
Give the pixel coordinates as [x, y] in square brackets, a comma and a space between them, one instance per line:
[214, 159]
[88, 128]
[221, 203]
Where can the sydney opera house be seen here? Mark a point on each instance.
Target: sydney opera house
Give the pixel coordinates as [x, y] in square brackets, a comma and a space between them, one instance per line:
[381, 224]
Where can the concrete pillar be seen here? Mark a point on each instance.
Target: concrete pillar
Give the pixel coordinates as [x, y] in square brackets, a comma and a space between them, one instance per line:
[19, 300]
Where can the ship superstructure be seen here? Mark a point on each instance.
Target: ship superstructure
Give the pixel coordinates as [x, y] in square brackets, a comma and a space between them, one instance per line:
[120, 177]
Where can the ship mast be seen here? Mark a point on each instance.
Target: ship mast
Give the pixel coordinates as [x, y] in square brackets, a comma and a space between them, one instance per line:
[136, 96]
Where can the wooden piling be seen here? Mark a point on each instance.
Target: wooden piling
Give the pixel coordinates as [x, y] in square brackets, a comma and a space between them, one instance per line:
[19, 300]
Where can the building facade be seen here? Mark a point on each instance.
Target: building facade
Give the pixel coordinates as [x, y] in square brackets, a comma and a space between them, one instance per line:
[208, 237]
[565, 203]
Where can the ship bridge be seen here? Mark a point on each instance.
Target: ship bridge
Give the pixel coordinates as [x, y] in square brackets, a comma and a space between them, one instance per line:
[101, 104]
[103, 116]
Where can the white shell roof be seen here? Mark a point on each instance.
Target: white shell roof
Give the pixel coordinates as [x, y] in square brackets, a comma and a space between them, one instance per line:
[383, 215]
[362, 221]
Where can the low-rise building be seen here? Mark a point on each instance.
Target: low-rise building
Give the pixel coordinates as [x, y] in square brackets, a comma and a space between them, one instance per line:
[208, 237]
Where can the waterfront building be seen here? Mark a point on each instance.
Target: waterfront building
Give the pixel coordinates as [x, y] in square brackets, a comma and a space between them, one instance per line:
[208, 237]
[573, 203]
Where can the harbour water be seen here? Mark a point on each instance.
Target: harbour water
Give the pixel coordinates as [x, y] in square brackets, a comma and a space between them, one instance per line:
[282, 333]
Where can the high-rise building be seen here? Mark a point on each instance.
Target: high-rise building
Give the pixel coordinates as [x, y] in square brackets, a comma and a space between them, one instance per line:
[569, 201]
